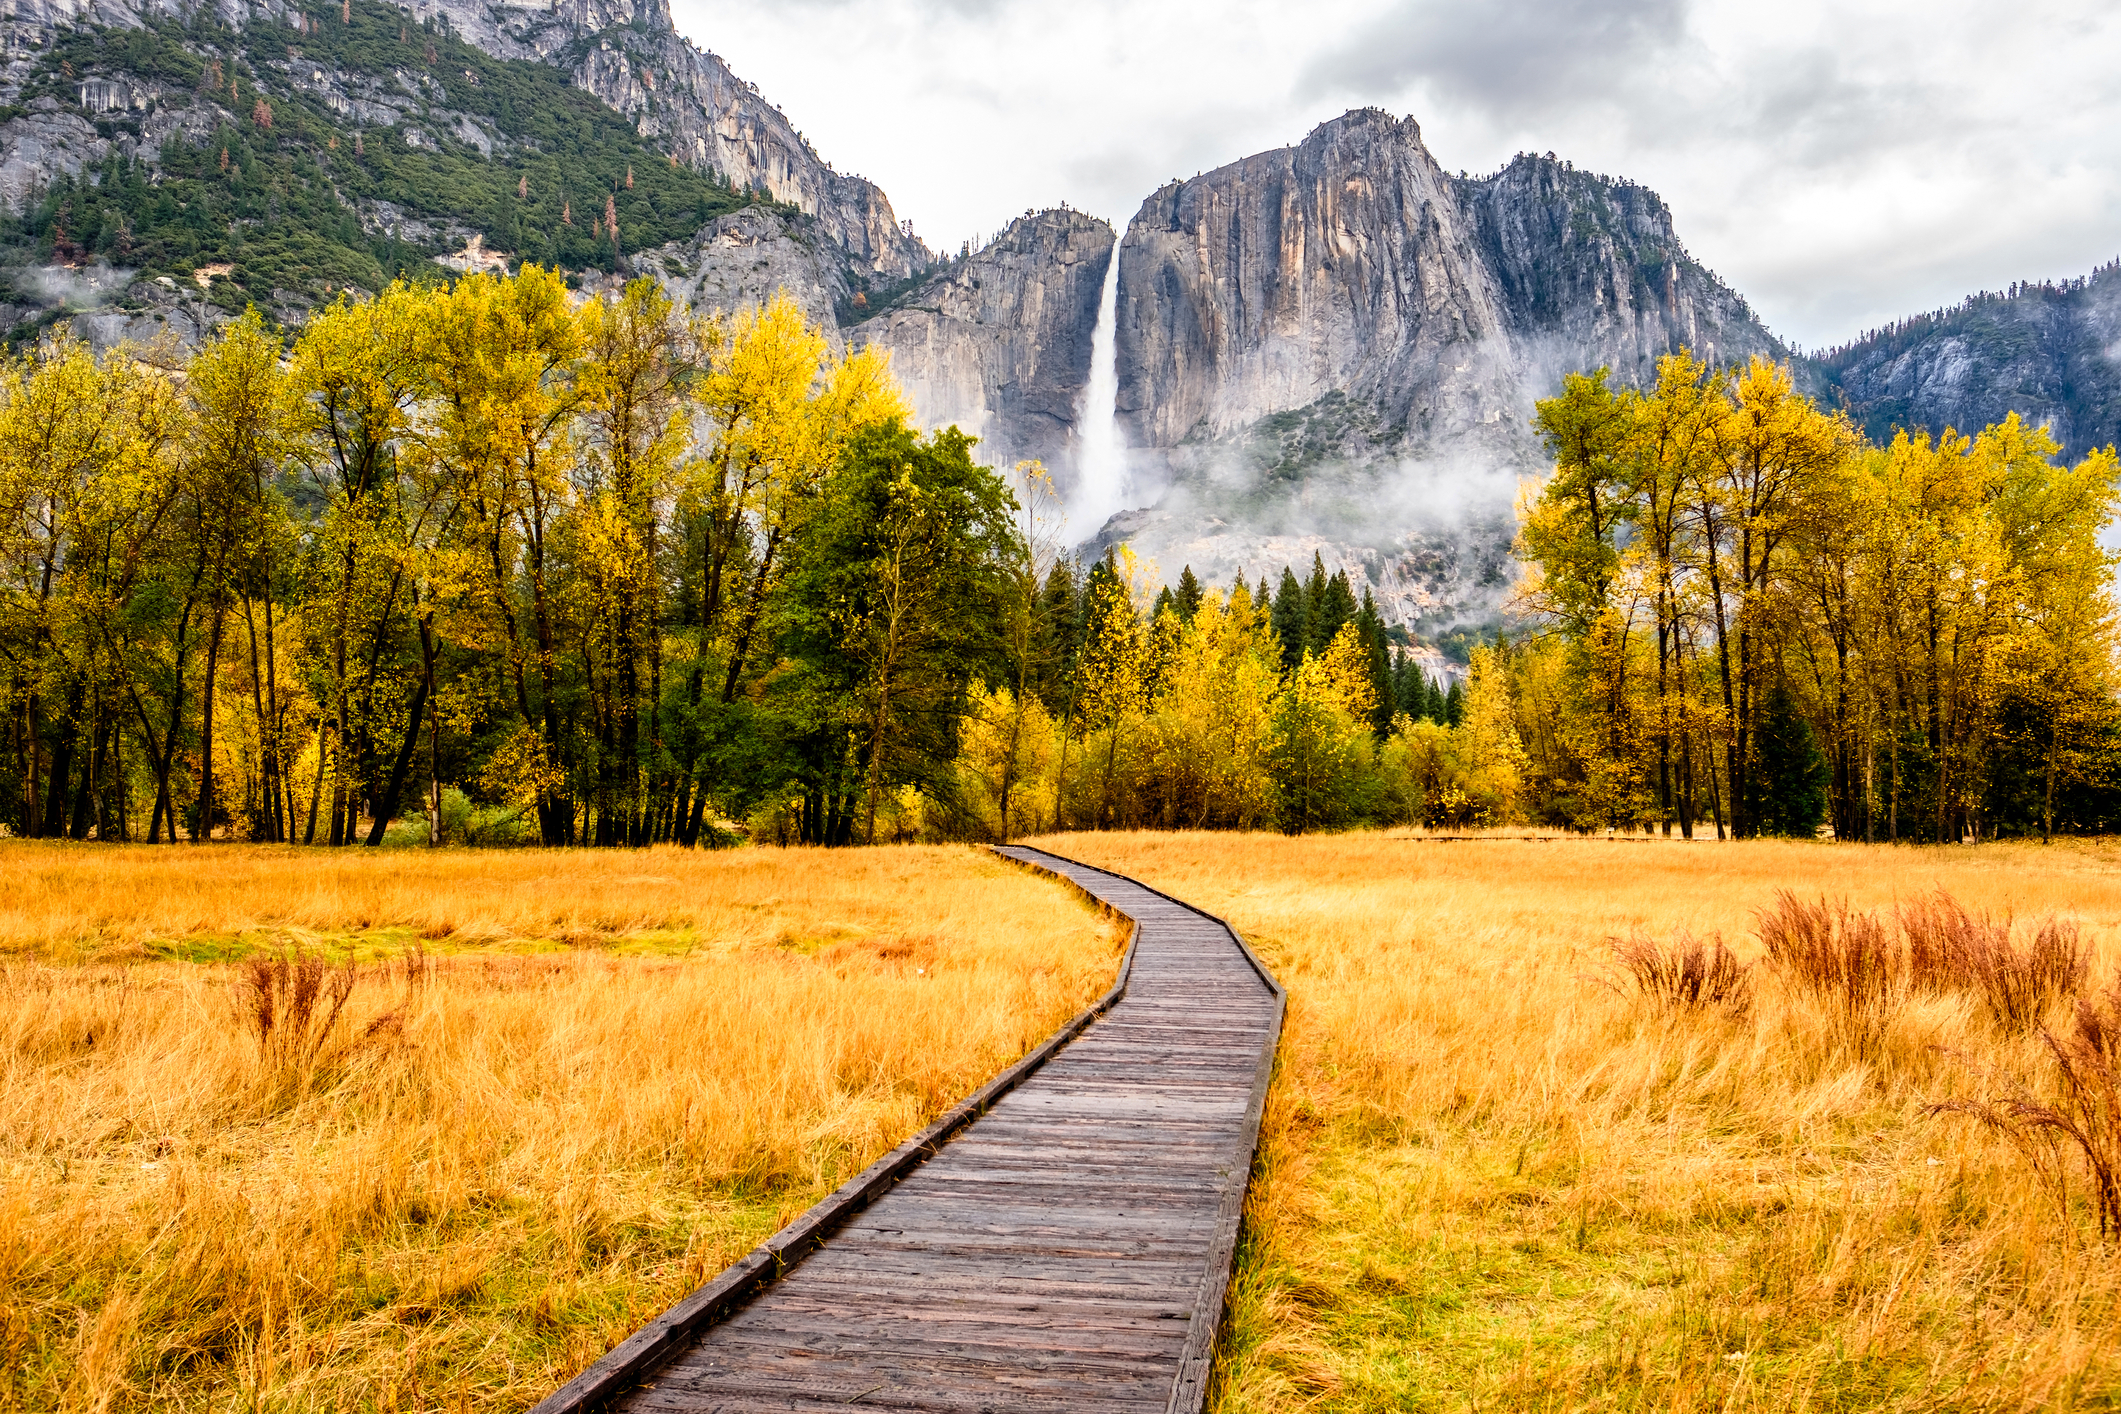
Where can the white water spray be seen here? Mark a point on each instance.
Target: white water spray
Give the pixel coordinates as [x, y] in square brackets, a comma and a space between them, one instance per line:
[1102, 484]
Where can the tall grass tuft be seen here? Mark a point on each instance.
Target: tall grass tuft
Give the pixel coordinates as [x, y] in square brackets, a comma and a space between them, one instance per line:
[1687, 974]
[1830, 951]
[1952, 950]
[293, 1002]
[2082, 1114]
[1863, 965]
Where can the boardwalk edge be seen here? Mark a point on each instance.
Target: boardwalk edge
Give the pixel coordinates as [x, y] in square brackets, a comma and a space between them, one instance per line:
[641, 1353]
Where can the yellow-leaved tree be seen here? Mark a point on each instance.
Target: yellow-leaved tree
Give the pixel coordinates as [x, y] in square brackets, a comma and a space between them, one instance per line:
[502, 357]
[1322, 743]
[1214, 719]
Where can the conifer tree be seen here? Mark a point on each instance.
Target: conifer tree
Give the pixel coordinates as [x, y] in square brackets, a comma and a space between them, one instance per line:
[1188, 597]
[1333, 609]
[1371, 631]
[1291, 619]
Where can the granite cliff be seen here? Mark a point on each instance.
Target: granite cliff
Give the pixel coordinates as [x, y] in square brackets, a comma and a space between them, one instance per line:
[359, 136]
[688, 102]
[999, 342]
[1336, 347]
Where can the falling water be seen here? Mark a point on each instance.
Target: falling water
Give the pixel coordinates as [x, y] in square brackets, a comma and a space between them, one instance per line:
[1101, 481]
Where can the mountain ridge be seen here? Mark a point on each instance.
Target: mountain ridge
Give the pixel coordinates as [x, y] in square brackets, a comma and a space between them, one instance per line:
[1335, 348]
[2048, 350]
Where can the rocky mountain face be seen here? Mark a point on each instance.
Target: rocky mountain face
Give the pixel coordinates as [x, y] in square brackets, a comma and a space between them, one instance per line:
[1336, 346]
[630, 54]
[90, 84]
[999, 342]
[743, 260]
[2049, 352]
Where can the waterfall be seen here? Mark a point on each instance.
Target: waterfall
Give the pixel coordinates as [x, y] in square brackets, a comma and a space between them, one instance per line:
[1101, 480]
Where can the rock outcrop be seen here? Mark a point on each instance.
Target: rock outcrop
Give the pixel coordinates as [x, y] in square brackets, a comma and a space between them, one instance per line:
[628, 53]
[1340, 265]
[999, 342]
[742, 260]
[1352, 264]
[2050, 353]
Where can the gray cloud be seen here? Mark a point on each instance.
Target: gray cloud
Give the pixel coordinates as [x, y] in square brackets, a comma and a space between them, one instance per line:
[1509, 57]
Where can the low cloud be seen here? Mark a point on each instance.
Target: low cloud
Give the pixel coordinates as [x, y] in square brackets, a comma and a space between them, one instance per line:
[87, 289]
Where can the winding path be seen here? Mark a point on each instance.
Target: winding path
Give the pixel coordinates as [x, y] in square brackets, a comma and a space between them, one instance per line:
[1060, 1241]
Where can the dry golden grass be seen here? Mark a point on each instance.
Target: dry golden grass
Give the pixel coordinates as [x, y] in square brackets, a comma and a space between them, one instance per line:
[498, 1160]
[1492, 1181]
[123, 903]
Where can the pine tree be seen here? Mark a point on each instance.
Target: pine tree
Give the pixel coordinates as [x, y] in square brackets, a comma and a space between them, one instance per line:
[1789, 780]
[1189, 595]
[1371, 630]
[1315, 605]
[1335, 608]
[1061, 621]
[1290, 619]
[1409, 691]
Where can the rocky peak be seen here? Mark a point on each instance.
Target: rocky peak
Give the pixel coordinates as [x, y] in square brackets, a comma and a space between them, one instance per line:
[1590, 267]
[1336, 347]
[628, 53]
[1342, 264]
[687, 101]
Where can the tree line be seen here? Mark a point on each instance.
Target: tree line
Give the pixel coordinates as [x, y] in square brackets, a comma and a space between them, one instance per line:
[499, 564]
[1758, 621]
[494, 563]
[1738, 615]
[571, 572]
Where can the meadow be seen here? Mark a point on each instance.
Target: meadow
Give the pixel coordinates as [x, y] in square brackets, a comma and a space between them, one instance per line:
[1495, 1175]
[298, 1130]
[515, 1102]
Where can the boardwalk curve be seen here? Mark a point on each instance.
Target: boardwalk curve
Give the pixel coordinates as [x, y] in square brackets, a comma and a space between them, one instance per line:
[1061, 1240]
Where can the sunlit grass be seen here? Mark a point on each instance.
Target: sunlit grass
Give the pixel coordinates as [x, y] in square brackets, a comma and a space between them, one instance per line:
[566, 1089]
[1494, 1178]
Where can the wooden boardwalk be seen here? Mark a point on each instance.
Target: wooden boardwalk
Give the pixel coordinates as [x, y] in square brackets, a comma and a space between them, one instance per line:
[1066, 1249]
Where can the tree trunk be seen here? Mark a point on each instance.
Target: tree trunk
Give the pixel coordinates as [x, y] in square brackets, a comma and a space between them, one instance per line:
[316, 786]
[203, 831]
[387, 808]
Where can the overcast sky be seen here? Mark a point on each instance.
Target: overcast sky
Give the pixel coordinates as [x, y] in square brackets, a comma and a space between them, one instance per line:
[1840, 163]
